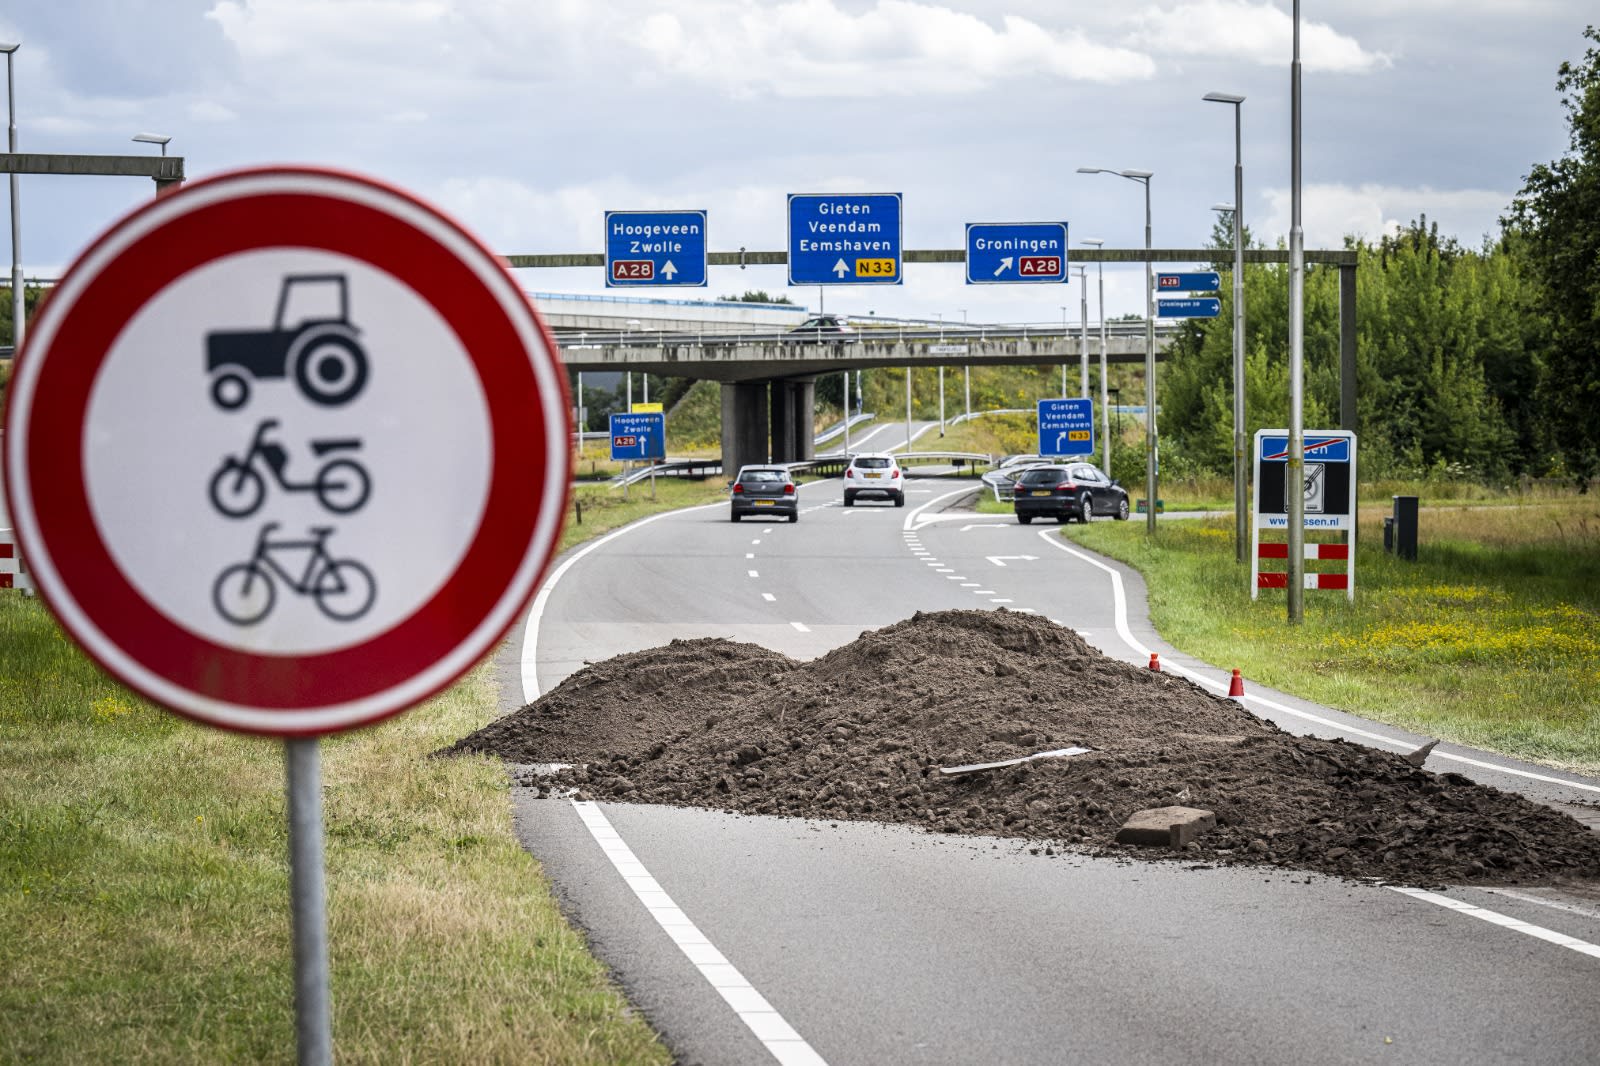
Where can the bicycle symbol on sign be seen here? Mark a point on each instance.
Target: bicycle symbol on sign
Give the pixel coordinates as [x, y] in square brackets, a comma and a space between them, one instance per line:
[342, 589]
[238, 487]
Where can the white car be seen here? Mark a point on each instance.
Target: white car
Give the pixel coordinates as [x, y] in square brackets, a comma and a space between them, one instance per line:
[874, 474]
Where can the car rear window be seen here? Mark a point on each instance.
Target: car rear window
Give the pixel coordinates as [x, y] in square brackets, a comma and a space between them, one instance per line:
[751, 477]
[1045, 476]
[872, 464]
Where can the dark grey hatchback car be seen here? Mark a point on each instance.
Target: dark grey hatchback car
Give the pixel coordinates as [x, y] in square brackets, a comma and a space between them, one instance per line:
[1067, 490]
[764, 490]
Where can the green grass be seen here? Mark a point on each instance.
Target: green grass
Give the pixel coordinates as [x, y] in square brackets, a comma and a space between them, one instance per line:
[1492, 638]
[144, 888]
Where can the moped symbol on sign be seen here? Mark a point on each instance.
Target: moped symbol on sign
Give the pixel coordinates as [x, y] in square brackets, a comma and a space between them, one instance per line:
[236, 533]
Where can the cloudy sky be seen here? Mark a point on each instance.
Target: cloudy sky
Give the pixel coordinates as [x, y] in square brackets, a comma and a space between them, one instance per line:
[528, 119]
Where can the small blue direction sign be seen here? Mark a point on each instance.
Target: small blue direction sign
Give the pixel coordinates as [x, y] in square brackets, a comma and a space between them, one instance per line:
[1207, 282]
[641, 436]
[1002, 253]
[655, 248]
[845, 239]
[1066, 427]
[1192, 307]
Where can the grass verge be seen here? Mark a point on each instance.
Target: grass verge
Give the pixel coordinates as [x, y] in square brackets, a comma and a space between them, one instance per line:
[1492, 638]
[144, 883]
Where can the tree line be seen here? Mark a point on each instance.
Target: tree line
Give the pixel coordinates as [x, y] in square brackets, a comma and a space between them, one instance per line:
[1477, 362]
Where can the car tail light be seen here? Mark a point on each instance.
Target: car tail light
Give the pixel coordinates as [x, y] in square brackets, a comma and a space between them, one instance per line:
[1067, 485]
[738, 490]
[895, 472]
[788, 490]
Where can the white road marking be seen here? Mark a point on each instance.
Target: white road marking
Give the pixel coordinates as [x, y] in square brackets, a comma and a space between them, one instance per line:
[1024, 610]
[752, 573]
[999, 560]
[969, 584]
[769, 597]
[994, 600]
[984, 592]
[1505, 921]
[801, 627]
[956, 577]
[1120, 605]
[945, 570]
[982, 525]
[1524, 897]
[756, 541]
[768, 1026]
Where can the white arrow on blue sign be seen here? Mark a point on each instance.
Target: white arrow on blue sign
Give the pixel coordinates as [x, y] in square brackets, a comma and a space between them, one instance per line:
[1066, 427]
[655, 248]
[1004, 253]
[1210, 281]
[1193, 307]
[845, 239]
[639, 436]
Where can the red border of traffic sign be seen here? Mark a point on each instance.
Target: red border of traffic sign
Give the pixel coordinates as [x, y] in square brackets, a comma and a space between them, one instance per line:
[519, 410]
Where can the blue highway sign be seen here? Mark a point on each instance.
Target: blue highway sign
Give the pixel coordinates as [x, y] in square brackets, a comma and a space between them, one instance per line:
[655, 248]
[642, 436]
[1002, 253]
[845, 239]
[1208, 282]
[1192, 307]
[1066, 427]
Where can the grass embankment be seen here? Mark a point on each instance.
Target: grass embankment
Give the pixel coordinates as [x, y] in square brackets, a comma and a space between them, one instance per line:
[144, 883]
[1492, 638]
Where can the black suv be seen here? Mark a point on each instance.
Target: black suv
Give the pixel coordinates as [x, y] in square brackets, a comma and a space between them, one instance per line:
[1067, 490]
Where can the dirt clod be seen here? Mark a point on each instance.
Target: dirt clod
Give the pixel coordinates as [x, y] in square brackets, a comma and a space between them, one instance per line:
[860, 733]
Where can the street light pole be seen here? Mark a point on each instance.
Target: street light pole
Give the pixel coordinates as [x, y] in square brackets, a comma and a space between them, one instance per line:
[1105, 407]
[1083, 331]
[1151, 442]
[1064, 336]
[967, 369]
[1294, 476]
[19, 325]
[1240, 507]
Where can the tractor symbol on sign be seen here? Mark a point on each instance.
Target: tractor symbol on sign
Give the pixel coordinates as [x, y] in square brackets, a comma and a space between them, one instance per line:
[312, 339]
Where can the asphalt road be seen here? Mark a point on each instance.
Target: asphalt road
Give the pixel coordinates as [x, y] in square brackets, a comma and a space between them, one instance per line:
[748, 939]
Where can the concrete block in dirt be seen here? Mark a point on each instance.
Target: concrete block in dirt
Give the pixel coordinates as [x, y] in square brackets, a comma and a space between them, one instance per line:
[1166, 827]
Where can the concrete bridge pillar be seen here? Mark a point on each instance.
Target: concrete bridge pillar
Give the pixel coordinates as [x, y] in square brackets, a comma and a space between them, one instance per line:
[793, 405]
[744, 424]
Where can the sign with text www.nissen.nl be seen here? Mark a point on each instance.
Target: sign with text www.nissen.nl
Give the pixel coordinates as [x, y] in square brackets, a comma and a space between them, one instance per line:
[845, 239]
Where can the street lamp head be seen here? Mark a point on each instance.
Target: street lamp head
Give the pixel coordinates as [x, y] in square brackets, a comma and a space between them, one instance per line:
[1222, 207]
[1137, 175]
[1093, 241]
[9, 48]
[153, 138]
[1223, 98]
[1093, 170]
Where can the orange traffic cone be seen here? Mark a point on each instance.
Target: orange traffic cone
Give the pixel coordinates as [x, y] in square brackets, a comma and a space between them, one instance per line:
[1236, 688]
[1155, 662]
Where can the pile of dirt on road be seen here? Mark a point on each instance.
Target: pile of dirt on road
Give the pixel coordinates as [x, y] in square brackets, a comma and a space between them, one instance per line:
[861, 732]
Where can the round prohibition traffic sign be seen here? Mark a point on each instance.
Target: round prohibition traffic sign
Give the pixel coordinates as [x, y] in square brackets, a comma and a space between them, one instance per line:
[287, 451]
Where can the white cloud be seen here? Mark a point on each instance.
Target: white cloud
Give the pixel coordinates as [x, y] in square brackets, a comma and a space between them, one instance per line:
[1259, 33]
[211, 111]
[813, 48]
[1329, 213]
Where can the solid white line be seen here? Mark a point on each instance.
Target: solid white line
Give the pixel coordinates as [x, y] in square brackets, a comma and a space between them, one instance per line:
[764, 1022]
[801, 627]
[530, 633]
[769, 597]
[1524, 897]
[1517, 925]
[1120, 607]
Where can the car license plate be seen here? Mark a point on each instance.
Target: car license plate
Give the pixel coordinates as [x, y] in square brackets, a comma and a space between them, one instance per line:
[1041, 492]
[763, 503]
[874, 475]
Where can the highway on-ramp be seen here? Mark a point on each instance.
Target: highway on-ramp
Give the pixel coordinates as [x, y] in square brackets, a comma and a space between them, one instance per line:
[752, 939]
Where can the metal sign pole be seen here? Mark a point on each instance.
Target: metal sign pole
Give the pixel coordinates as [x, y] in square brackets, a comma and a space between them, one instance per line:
[1295, 475]
[307, 902]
